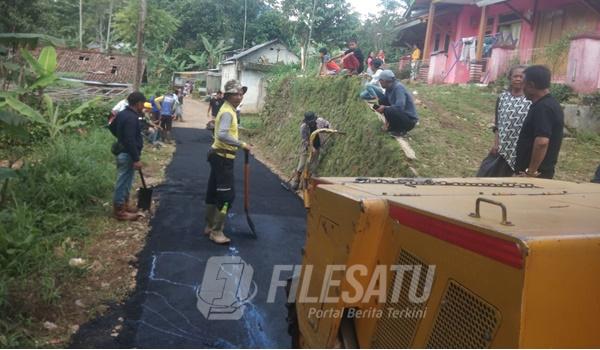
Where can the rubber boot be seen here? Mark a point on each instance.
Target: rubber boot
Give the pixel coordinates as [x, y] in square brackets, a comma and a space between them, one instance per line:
[121, 214]
[217, 235]
[211, 210]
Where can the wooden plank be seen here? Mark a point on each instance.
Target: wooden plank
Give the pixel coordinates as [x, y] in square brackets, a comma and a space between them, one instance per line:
[402, 141]
[405, 146]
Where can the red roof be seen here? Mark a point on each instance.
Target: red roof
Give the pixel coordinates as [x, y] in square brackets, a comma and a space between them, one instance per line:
[97, 66]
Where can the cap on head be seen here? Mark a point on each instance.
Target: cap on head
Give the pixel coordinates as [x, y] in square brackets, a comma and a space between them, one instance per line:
[233, 87]
[147, 105]
[309, 117]
[387, 75]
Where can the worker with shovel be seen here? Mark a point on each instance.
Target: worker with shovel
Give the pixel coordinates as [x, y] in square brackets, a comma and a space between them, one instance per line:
[220, 192]
[127, 150]
[310, 123]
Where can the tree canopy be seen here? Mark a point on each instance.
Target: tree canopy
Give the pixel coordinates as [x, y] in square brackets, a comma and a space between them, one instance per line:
[182, 34]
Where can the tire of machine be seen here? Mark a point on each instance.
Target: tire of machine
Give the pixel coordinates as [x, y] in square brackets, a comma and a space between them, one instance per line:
[292, 318]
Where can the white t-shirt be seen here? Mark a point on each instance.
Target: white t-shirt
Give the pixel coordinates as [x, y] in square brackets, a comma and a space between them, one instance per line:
[375, 77]
[120, 106]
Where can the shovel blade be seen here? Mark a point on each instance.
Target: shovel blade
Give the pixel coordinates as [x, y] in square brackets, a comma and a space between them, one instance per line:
[144, 198]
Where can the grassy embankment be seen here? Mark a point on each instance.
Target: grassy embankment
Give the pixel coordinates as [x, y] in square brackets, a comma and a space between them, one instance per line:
[452, 138]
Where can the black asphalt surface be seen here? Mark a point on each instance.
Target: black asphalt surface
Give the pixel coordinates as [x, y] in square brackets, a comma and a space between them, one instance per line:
[163, 311]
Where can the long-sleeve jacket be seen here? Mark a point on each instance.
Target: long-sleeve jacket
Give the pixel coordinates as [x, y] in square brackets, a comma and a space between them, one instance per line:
[399, 99]
[129, 132]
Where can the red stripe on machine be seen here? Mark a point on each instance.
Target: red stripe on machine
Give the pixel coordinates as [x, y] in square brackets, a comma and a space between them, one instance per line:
[498, 249]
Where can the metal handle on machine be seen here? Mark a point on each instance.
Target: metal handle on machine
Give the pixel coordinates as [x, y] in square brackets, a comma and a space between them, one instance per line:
[502, 206]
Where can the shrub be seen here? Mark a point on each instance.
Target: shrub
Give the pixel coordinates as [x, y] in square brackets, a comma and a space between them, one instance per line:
[561, 92]
[66, 180]
[592, 100]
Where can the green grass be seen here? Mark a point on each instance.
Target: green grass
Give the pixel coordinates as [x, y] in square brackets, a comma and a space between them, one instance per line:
[63, 183]
[451, 140]
[364, 150]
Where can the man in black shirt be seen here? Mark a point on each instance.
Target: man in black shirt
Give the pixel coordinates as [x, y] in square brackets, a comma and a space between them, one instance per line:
[213, 109]
[355, 50]
[542, 132]
[128, 152]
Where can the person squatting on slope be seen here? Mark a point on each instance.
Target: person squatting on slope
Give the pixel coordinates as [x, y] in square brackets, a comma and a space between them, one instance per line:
[373, 89]
[397, 105]
[220, 192]
[310, 123]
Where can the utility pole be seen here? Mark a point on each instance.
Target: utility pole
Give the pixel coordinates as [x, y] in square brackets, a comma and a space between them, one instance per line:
[80, 24]
[140, 46]
[245, 19]
[310, 27]
[110, 11]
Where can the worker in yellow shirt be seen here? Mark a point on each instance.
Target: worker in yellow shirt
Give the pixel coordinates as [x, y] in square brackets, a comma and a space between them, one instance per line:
[220, 193]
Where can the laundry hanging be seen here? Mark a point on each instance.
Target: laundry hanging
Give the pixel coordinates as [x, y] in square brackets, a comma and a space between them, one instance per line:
[469, 49]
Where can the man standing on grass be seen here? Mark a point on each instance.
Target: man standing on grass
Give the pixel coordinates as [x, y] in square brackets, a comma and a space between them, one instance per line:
[220, 192]
[542, 131]
[397, 105]
[128, 151]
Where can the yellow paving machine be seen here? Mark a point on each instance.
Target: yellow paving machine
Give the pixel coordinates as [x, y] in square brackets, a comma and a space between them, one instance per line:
[467, 263]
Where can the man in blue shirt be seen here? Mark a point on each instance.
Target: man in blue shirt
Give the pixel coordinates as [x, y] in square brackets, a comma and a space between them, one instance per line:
[397, 106]
[167, 105]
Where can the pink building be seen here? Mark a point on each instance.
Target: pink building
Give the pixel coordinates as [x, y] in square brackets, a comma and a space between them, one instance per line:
[478, 40]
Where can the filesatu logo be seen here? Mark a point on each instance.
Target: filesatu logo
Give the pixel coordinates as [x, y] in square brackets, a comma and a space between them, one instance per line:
[226, 288]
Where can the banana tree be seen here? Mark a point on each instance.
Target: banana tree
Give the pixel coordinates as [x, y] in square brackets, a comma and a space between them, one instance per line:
[199, 61]
[51, 119]
[214, 51]
[44, 68]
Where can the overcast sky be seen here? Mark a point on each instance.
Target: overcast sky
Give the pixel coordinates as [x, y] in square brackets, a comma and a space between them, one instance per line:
[364, 7]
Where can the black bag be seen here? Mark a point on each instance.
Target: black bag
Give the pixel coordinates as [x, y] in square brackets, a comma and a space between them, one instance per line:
[494, 165]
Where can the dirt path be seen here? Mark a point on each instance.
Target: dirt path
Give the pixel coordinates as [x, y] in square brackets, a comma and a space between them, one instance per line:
[164, 310]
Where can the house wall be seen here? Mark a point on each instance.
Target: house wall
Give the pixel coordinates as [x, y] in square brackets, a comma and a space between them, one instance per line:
[254, 97]
[583, 70]
[271, 54]
[465, 23]
[228, 71]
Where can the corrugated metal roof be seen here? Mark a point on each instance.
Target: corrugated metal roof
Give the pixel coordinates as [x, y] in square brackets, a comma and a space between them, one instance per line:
[250, 50]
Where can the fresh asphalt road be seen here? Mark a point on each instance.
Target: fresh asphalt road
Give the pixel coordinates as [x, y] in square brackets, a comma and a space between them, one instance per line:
[163, 310]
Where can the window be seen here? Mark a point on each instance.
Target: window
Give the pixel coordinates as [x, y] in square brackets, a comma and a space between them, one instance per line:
[113, 70]
[447, 43]
[436, 45]
[84, 58]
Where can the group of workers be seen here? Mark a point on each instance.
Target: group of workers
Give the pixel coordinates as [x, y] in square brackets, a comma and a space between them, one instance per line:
[528, 135]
